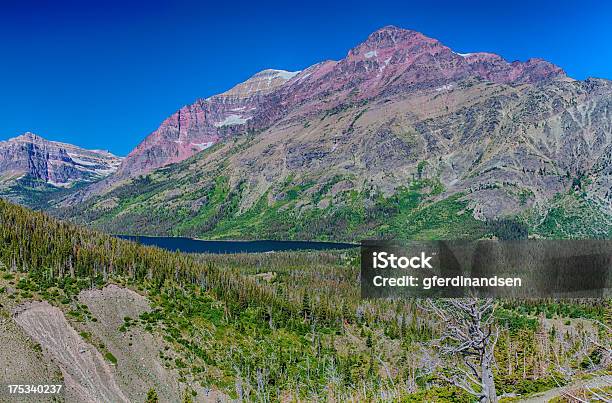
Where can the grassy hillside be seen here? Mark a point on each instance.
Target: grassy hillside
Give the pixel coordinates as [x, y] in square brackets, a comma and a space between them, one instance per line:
[300, 209]
[335, 210]
[282, 326]
[572, 215]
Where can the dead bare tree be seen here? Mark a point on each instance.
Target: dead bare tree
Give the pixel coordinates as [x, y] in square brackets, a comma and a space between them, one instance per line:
[469, 335]
[596, 387]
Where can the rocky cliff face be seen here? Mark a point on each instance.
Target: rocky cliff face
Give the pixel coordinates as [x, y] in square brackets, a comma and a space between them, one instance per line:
[29, 161]
[394, 59]
[57, 164]
[343, 142]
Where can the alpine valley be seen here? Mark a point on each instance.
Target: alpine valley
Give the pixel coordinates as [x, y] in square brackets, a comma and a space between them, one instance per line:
[403, 137]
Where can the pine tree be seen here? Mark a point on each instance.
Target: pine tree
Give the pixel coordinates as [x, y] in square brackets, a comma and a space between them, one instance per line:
[152, 396]
[187, 397]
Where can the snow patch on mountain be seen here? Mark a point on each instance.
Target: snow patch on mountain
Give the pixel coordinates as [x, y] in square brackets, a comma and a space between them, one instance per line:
[287, 75]
[232, 120]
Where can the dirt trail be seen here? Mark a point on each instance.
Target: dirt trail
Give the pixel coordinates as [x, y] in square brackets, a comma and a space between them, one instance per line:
[87, 375]
[593, 383]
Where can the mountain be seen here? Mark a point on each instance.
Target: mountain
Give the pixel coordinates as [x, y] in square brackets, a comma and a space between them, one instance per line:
[32, 167]
[402, 137]
[390, 58]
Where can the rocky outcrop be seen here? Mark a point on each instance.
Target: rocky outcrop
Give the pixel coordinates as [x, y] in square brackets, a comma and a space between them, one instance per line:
[87, 376]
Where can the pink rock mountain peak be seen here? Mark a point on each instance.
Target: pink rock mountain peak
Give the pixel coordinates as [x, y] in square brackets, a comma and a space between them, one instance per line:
[390, 61]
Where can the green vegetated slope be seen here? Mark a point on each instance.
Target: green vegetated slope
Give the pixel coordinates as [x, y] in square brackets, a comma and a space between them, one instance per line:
[351, 216]
[178, 201]
[571, 215]
[286, 326]
[35, 193]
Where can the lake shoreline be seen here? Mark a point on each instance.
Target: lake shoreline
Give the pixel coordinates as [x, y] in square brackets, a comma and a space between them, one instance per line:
[196, 245]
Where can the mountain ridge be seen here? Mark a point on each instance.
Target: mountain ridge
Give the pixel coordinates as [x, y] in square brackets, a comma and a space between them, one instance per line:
[29, 161]
[196, 126]
[390, 169]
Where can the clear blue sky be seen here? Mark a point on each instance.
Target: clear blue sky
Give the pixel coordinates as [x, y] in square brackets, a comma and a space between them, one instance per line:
[104, 74]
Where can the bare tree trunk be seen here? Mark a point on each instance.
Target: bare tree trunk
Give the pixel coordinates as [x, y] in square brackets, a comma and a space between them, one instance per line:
[488, 385]
[470, 334]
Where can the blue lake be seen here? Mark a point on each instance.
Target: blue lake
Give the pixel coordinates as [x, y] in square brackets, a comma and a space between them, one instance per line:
[190, 245]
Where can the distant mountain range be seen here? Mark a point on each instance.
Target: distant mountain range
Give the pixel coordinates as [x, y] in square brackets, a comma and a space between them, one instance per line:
[33, 170]
[402, 137]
